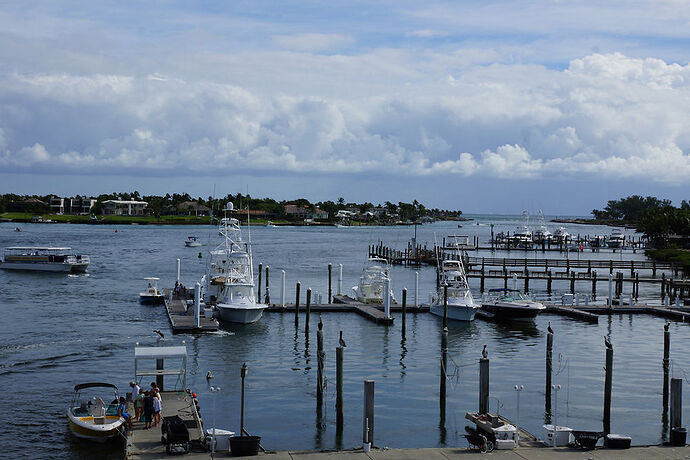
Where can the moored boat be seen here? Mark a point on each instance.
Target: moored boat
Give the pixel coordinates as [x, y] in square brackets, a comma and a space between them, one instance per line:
[511, 304]
[372, 283]
[192, 242]
[616, 240]
[92, 418]
[460, 304]
[152, 295]
[47, 259]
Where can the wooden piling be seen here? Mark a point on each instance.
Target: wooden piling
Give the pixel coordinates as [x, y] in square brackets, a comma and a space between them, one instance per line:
[306, 319]
[572, 282]
[368, 416]
[549, 368]
[339, 389]
[330, 283]
[548, 283]
[594, 284]
[665, 363]
[526, 280]
[484, 385]
[663, 286]
[321, 357]
[481, 281]
[258, 294]
[676, 403]
[404, 308]
[297, 289]
[445, 305]
[608, 382]
[505, 278]
[444, 372]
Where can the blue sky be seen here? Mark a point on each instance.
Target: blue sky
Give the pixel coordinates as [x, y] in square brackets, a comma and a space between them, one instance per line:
[490, 106]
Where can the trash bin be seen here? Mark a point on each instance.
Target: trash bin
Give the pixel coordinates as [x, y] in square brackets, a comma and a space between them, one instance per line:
[242, 446]
[678, 436]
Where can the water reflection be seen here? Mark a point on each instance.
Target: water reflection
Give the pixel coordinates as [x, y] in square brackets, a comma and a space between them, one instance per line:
[523, 330]
[403, 353]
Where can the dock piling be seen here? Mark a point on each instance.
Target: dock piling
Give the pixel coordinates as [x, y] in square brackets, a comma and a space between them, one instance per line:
[339, 389]
[484, 384]
[676, 403]
[368, 419]
[340, 279]
[444, 376]
[297, 289]
[258, 294]
[321, 356]
[445, 306]
[665, 363]
[608, 382]
[549, 367]
[416, 288]
[282, 288]
[197, 304]
[404, 308]
[609, 301]
[330, 285]
[387, 296]
[548, 282]
[306, 319]
[178, 270]
[268, 295]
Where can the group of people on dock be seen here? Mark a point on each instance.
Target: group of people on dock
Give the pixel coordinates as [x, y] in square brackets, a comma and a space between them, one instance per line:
[147, 405]
[180, 291]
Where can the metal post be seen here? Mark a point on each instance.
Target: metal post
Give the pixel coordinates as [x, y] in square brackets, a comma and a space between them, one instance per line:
[387, 296]
[214, 390]
[514, 281]
[368, 412]
[282, 288]
[243, 373]
[518, 389]
[555, 388]
[178, 270]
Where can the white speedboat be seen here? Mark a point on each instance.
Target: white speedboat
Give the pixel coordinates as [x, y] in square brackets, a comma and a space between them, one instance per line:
[192, 242]
[512, 304]
[47, 259]
[461, 304]
[270, 224]
[152, 295]
[228, 285]
[616, 240]
[91, 418]
[371, 284]
[561, 235]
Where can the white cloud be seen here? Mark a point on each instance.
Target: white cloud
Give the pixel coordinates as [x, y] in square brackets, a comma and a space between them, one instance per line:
[311, 42]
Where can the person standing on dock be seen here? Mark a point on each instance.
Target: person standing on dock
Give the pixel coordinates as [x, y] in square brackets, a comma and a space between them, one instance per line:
[148, 408]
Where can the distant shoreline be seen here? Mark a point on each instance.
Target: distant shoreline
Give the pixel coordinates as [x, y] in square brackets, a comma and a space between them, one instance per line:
[610, 223]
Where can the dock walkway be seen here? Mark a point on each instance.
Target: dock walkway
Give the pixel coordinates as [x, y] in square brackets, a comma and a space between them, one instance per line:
[182, 320]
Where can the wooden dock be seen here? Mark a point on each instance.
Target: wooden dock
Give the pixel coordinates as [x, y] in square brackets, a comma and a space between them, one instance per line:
[145, 443]
[182, 318]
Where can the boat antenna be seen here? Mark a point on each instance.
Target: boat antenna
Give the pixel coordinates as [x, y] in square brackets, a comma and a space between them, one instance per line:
[438, 266]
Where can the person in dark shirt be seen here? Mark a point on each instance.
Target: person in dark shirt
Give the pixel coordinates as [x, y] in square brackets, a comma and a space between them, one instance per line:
[148, 408]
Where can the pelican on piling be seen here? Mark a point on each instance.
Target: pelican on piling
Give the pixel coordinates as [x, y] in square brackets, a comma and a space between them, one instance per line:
[342, 341]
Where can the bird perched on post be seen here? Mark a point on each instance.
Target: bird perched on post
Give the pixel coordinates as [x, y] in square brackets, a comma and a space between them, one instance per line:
[209, 376]
[668, 324]
[549, 328]
[485, 354]
[161, 336]
[320, 323]
[342, 341]
[607, 343]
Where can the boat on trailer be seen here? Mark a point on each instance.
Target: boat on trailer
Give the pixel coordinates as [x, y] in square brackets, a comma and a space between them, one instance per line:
[91, 418]
[45, 259]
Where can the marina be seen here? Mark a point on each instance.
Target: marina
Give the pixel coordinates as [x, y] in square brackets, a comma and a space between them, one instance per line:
[400, 355]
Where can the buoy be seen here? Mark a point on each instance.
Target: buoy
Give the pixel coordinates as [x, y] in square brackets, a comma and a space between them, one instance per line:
[199, 255]
[115, 230]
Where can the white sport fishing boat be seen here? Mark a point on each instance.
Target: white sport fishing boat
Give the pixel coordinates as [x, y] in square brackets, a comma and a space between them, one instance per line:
[228, 285]
[46, 259]
[523, 234]
[542, 233]
[616, 240]
[461, 304]
[92, 418]
[561, 235]
[373, 280]
[512, 304]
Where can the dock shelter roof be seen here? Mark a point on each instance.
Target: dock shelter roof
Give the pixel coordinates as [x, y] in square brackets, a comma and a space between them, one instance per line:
[161, 355]
[160, 352]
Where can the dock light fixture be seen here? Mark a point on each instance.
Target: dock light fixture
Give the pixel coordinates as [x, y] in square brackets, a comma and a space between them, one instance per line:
[555, 388]
[518, 389]
[214, 390]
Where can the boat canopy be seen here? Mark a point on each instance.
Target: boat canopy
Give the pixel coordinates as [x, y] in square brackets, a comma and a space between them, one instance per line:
[147, 356]
[81, 386]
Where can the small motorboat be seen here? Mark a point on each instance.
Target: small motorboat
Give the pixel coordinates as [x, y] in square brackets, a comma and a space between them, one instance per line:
[192, 242]
[17, 229]
[511, 304]
[91, 418]
[152, 295]
[270, 224]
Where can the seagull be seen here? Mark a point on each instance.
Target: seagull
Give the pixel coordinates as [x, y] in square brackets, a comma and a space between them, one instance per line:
[668, 324]
[161, 336]
[209, 376]
[342, 341]
[608, 343]
[549, 328]
[485, 354]
[320, 323]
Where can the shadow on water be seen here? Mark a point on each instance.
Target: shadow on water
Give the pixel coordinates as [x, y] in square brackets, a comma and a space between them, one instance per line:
[517, 329]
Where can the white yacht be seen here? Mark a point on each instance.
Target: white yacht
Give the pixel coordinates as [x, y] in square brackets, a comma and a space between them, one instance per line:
[512, 304]
[152, 295]
[542, 233]
[371, 284]
[46, 259]
[461, 304]
[192, 242]
[523, 234]
[616, 240]
[561, 235]
[228, 285]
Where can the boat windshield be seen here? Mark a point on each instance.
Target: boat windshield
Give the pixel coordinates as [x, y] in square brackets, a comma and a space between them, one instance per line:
[513, 296]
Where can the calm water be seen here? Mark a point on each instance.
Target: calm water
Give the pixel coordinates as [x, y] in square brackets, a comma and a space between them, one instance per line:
[62, 330]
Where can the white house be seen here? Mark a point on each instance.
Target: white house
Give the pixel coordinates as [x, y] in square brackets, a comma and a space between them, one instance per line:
[124, 208]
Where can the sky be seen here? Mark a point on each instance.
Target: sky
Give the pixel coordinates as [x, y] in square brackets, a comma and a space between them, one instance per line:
[492, 106]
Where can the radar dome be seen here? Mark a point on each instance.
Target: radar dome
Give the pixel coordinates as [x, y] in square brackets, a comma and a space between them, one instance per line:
[229, 206]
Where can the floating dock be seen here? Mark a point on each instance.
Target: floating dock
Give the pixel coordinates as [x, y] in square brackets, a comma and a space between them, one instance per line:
[181, 317]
